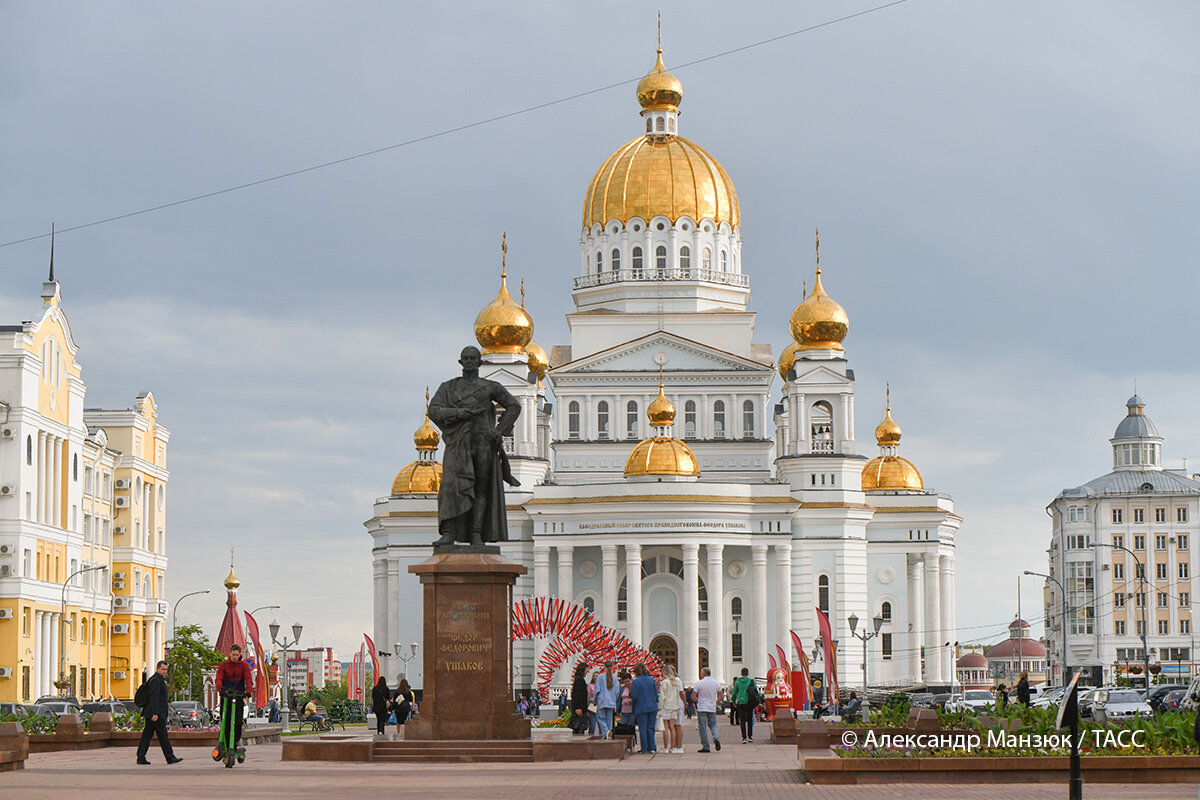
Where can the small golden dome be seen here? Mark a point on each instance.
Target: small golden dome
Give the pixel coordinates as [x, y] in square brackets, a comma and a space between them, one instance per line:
[427, 436]
[232, 582]
[787, 360]
[891, 473]
[661, 455]
[419, 477]
[819, 323]
[659, 90]
[887, 433]
[539, 362]
[503, 326]
[661, 411]
[666, 176]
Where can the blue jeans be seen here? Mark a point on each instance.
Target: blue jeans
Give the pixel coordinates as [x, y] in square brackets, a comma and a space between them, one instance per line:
[708, 721]
[593, 726]
[645, 722]
[604, 717]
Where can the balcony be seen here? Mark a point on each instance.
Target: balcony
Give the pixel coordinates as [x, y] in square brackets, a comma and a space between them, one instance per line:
[656, 276]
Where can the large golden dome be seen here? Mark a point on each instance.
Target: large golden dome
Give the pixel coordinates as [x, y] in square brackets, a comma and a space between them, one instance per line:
[819, 323]
[661, 455]
[891, 472]
[787, 360]
[660, 89]
[503, 326]
[656, 175]
[419, 477]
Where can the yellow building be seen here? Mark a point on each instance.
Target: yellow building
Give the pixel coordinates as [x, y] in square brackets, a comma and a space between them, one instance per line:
[82, 522]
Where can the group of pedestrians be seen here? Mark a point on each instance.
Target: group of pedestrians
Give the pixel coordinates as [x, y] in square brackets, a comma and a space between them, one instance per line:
[387, 705]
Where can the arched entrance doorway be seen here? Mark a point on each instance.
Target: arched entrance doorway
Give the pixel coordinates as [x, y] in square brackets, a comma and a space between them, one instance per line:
[665, 648]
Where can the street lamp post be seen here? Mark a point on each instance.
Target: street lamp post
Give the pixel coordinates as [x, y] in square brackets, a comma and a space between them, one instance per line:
[62, 616]
[1145, 602]
[1066, 669]
[174, 612]
[260, 608]
[865, 636]
[297, 629]
[401, 657]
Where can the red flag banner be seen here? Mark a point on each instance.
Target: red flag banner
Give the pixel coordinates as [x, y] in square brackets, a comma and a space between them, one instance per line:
[804, 669]
[831, 684]
[260, 663]
[784, 662]
[374, 658]
[771, 658]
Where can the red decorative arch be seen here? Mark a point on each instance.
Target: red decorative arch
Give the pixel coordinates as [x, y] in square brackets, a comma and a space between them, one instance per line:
[574, 633]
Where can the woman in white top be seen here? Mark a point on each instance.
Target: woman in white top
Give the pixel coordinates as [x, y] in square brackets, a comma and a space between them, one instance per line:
[670, 709]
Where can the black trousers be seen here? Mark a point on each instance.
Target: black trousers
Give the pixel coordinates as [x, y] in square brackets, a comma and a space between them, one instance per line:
[745, 713]
[155, 729]
[239, 709]
[381, 721]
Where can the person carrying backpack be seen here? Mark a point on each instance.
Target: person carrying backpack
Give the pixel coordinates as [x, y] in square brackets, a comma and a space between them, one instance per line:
[151, 697]
[745, 697]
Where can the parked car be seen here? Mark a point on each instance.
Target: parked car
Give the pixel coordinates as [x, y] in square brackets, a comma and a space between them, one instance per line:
[976, 700]
[1086, 698]
[36, 710]
[16, 710]
[192, 714]
[60, 707]
[58, 698]
[955, 703]
[113, 707]
[1119, 704]
[939, 701]
[1048, 698]
[1159, 692]
[921, 700]
[1171, 702]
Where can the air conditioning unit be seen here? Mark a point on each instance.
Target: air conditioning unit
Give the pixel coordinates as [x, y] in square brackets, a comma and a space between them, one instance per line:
[120, 628]
[118, 674]
[5, 672]
[6, 613]
[8, 549]
[119, 575]
[119, 530]
[1104, 567]
[6, 571]
[122, 483]
[7, 432]
[118, 584]
[8, 490]
[121, 502]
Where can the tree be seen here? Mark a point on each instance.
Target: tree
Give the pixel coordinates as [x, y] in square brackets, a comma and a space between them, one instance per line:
[191, 654]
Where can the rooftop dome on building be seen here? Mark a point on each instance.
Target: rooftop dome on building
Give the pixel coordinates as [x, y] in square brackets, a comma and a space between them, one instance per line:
[973, 660]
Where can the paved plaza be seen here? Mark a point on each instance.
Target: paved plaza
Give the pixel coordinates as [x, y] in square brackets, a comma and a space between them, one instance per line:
[759, 771]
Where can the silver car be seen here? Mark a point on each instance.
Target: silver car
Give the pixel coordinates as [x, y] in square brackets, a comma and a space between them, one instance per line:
[976, 700]
[1113, 705]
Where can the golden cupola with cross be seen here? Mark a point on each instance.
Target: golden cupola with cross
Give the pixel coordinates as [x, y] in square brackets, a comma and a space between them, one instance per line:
[819, 322]
[889, 471]
[662, 456]
[503, 325]
[423, 476]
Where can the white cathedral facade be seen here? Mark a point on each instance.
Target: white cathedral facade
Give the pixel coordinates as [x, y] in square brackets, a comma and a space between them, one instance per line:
[662, 487]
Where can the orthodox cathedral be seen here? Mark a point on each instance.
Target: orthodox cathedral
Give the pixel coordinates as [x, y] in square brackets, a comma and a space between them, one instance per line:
[662, 489]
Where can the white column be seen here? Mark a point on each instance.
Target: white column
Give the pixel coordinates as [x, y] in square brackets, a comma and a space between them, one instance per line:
[783, 595]
[392, 631]
[41, 477]
[566, 570]
[633, 592]
[541, 588]
[946, 585]
[689, 655]
[379, 580]
[37, 655]
[716, 610]
[914, 619]
[933, 616]
[55, 625]
[56, 483]
[608, 579]
[758, 630]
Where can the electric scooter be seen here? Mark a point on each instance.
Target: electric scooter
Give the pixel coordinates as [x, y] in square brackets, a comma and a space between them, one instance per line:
[225, 749]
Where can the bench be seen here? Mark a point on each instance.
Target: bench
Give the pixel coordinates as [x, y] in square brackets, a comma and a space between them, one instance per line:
[327, 724]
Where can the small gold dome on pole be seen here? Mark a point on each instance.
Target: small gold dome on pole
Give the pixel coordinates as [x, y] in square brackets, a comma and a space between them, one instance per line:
[659, 89]
[819, 322]
[539, 362]
[427, 436]
[503, 326]
[231, 582]
[787, 360]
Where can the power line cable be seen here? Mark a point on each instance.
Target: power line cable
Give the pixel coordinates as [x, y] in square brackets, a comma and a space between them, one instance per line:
[448, 131]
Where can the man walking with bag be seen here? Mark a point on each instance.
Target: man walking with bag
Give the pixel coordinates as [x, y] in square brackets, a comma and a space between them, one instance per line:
[154, 712]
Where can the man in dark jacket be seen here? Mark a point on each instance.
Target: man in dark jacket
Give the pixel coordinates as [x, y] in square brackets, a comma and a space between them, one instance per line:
[645, 706]
[155, 714]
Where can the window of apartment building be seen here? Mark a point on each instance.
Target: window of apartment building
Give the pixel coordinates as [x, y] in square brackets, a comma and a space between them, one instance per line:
[1079, 541]
[1077, 514]
[1119, 600]
[1184, 569]
[1160, 515]
[1140, 599]
[1080, 588]
[1176, 653]
[1139, 542]
[88, 476]
[1163, 599]
[1118, 541]
[1160, 541]
[1139, 515]
[106, 486]
[1185, 626]
[887, 646]
[1181, 541]
[1139, 571]
[26, 621]
[1164, 627]
[735, 648]
[1181, 515]
[1118, 571]
[25, 684]
[1185, 599]
[1140, 627]
[1119, 627]
[1118, 516]
[107, 530]
[1160, 571]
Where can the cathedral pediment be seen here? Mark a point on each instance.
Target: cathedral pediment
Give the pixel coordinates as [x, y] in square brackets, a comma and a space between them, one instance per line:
[644, 354]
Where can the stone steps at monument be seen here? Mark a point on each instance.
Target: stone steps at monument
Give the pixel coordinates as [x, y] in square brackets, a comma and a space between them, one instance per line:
[453, 751]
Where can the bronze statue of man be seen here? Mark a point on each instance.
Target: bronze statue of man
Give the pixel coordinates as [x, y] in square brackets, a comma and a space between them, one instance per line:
[471, 505]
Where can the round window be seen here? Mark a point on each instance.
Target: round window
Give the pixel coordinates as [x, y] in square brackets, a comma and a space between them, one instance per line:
[662, 227]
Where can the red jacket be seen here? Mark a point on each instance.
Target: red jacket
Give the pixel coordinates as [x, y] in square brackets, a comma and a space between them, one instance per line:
[230, 673]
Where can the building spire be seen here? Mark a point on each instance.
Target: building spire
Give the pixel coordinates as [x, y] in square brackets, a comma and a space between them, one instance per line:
[888, 396]
[52, 252]
[504, 255]
[522, 292]
[660, 31]
[818, 251]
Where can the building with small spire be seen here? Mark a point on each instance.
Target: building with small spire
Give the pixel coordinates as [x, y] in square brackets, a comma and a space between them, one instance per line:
[665, 491]
[232, 632]
[83, 532]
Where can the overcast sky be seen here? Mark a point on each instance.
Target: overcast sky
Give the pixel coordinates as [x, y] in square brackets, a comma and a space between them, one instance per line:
[1006, 192]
